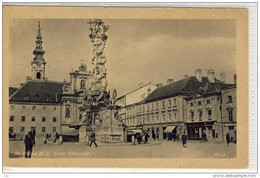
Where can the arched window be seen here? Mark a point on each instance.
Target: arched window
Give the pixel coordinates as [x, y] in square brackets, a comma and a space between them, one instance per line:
[38, 75]
[80, 117]
[67, 111]
[82, 84]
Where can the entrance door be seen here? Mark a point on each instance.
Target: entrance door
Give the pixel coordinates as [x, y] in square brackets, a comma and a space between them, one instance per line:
[164, 134]
[157, 133]
[193, 132]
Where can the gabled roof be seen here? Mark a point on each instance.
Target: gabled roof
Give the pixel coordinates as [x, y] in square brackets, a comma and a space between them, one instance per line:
[12, 90]
[213, 88]
[184, 87]
[210, 89]
[38, 91]
[231, 86]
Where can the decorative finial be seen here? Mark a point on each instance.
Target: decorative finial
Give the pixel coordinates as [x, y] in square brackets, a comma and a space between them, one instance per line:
[39, 31]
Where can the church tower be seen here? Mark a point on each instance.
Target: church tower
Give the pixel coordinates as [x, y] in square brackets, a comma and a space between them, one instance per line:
[38, 63]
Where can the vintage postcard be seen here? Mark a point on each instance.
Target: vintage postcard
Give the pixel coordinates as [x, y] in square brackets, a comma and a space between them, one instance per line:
[94, 87]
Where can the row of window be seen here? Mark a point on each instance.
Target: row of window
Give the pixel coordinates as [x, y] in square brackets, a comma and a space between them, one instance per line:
[150, 107]
[200, 115]
[22, 129]
[152, 119]
[230, 100]
[33, 118]
[230, 115]
[34, 107]
[199, 103]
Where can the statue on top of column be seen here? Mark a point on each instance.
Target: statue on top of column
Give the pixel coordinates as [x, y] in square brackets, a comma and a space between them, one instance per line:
[98, 37]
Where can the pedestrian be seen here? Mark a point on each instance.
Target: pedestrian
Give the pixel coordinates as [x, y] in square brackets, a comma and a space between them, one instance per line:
[56, 137]
[157, 135]
[143, 138]
[184, 139]
[29, 141]
[174, 137]
[139, 138]
[204, 136]
[177, 137]
[146, 138]
[153, 135]
[133, 139]
[92, 139]
[228, 139]
[46, 138]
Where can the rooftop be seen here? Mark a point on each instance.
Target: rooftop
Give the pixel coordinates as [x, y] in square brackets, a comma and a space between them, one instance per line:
[185, 87]
[38, 91]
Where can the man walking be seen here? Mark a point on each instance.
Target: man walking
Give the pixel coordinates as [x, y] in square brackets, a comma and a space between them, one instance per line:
[92, 139]
[153, 135]
[29, 141]
[184, 139]
[228, 139]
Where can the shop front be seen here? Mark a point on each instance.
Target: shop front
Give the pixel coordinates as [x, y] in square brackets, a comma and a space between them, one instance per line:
[200, 130]
[131, 133]
[231, 129]
[170, 133]
[165, 131]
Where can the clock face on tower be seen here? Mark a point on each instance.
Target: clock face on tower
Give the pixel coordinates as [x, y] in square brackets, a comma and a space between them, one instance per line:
[38, 63]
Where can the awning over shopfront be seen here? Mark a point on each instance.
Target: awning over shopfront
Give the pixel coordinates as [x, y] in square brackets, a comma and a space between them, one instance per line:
[170, 128]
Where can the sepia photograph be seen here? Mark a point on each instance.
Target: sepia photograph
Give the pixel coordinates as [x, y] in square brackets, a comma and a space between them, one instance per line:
[139, 88]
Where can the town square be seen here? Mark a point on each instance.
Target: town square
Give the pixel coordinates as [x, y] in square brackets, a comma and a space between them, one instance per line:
[119, 103]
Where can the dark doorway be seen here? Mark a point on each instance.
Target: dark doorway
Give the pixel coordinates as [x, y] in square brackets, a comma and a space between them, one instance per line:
[164, 134]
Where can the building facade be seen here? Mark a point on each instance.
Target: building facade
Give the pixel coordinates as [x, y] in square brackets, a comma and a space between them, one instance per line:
[73, 98]
[134, 97]
[36, 105]
[192, 105]
[229, 111]
[45, 106]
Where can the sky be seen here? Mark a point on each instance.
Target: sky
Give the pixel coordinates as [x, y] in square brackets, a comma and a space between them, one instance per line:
[137, 50]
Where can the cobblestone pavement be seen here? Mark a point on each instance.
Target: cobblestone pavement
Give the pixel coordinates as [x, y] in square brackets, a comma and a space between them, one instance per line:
[159, 149]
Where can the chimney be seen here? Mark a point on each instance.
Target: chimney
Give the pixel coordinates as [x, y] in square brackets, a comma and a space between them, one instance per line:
[211, 76]
[149, 91]
[170, 81]
[223, 77]
[198, 75]
[235, 78]
[186, 76]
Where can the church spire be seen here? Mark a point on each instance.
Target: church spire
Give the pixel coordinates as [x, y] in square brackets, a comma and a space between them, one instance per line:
[38, 63]
[38, 52]
[39, 31]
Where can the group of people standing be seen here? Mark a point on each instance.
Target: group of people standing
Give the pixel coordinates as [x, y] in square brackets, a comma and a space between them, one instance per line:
[141, 138]
[53, 140]
[231, 138]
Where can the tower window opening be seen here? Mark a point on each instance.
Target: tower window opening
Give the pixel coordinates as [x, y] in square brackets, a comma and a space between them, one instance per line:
[82, 84]
[38, 75]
